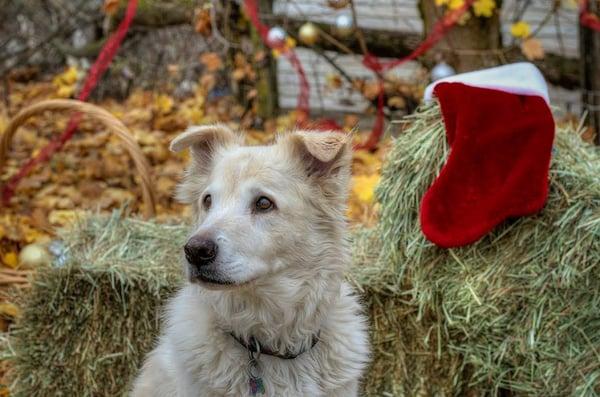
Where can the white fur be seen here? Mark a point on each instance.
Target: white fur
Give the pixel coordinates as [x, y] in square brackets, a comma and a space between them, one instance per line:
[284, 271]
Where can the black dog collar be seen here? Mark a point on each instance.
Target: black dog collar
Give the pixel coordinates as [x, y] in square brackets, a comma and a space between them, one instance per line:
[254, 346]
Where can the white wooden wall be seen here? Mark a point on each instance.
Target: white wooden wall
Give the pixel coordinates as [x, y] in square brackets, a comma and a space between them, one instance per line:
[403, 16]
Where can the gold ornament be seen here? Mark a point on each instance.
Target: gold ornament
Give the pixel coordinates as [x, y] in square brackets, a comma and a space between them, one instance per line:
[308, 33]
[34, 255]
[337, 4]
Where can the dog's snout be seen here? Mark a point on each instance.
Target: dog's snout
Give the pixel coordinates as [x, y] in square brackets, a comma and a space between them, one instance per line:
[200, 251]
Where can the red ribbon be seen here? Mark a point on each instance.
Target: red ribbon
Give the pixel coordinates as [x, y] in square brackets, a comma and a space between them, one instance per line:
[440, 29]
[95, 73]
[263, 30]
[587, 18]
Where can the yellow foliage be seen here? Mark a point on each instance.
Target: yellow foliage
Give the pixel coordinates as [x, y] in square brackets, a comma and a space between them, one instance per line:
[8, 309]
[11, 259]
[484, 8]
[363, 187]
[66, 82]
[163, 104]
[520, 29]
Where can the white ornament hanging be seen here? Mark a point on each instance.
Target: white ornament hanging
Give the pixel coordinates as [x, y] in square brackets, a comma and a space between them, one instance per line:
[344, 24]
[276, 37]
[442, 70]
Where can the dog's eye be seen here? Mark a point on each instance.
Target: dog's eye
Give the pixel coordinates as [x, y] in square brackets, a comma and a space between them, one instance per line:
[207, 201]
[263, 204]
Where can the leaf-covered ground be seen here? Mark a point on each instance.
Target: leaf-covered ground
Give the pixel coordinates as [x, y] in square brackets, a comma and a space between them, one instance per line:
[93, 172]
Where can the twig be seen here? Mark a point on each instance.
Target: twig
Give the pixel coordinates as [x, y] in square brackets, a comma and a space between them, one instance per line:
[359, 34]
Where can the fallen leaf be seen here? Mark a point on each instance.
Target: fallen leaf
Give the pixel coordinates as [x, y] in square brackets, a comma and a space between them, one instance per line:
[110, 7]
[11, 259]
[363, 187]
[8, 309]
[532, 48]
[212, 61]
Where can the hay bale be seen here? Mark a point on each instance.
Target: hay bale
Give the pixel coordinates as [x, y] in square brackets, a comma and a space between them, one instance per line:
[518, 311]
[86, 326]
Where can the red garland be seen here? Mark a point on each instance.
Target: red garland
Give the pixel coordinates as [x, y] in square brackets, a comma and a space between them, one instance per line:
[95, 73]
[440, 29]
[587, 18]
[263, 31]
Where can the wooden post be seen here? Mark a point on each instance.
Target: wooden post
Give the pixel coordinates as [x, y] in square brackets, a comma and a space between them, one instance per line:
[466, 47]
[266, 84]
[589, 49]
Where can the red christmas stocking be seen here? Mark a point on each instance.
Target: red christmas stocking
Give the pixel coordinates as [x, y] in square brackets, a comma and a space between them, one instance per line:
[500, 130]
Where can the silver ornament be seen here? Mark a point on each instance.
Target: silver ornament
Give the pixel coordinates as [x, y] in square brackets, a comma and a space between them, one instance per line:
[276, 37]
[344, 24]
[442, 70]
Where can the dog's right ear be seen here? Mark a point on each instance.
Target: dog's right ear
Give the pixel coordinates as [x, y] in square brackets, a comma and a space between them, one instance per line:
[203, 140]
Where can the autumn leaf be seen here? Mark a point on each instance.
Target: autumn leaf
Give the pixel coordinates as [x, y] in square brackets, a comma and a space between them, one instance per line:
[66, 82]
[532, 49]
[363, 187]
[203, 23]
[8, 309]
[397, 102]
[371, 90]
[484, 8]
[451, 4]
[333, 81]
[520, 29]
[110, 7]
[163, 104]
[11, 259]
[212, 61]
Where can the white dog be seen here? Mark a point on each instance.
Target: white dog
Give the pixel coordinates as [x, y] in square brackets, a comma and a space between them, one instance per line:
[266, 310]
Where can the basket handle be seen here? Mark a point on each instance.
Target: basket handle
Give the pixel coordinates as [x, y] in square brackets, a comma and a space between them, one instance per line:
[97, 113]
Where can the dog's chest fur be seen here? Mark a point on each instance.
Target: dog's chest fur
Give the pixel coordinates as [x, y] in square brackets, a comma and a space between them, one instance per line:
[197, 358]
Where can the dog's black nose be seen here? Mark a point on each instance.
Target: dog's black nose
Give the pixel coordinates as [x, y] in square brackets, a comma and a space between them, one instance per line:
[200, 251]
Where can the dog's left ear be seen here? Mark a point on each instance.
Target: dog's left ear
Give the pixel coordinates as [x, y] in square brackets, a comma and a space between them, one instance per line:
[325, 156]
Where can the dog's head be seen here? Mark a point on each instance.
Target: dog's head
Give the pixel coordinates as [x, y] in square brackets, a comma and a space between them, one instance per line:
[261, 210]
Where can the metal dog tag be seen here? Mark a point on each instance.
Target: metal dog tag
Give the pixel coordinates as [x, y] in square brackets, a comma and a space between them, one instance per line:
[257, 387]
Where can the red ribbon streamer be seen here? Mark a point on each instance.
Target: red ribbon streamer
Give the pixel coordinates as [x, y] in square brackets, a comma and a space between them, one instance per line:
[95, 73]
[587, 18]
[263, 31]
[440, 29]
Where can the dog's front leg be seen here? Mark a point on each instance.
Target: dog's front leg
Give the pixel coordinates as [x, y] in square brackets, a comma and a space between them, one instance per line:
[155, 378]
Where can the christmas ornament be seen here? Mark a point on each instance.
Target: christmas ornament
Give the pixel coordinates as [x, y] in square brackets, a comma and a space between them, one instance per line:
[34, 255]
[308, 33]
[441, 71]
[337, 4]
[59, 251]
[500, 130]
[344, 25]
[276, 37]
